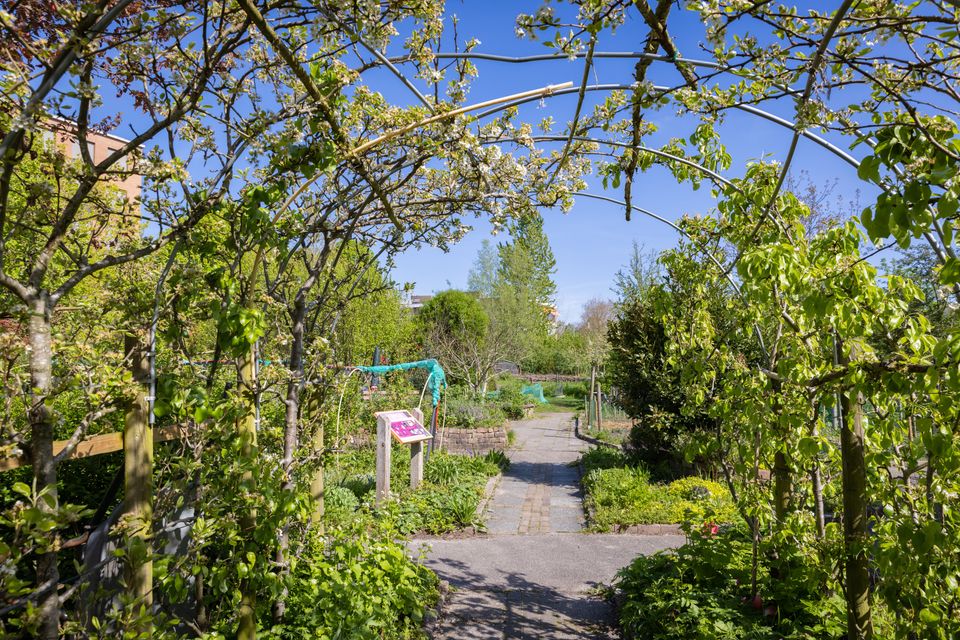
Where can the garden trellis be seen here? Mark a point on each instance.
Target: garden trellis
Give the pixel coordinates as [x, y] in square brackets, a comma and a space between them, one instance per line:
[915, 202]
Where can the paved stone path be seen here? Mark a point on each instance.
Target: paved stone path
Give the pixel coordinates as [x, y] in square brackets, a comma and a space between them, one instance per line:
[535, 575]
[540, 493]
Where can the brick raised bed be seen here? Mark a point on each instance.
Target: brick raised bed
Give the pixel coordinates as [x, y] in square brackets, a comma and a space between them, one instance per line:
[472, 441]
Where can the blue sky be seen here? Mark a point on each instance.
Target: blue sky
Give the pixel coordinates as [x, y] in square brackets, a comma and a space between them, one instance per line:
[593, 241]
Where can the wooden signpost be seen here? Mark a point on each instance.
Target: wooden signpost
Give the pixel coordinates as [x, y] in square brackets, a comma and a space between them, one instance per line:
[407, 427]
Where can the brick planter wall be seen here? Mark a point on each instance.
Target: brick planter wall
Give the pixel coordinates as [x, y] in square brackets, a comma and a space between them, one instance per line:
[472, 441]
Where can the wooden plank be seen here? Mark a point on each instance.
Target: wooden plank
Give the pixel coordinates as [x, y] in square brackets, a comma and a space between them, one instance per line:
[94, 446]
[138, 484]
[416, 456]
[384, 440]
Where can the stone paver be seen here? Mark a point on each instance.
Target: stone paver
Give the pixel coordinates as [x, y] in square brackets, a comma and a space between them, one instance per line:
[535, 575]
[540, 492]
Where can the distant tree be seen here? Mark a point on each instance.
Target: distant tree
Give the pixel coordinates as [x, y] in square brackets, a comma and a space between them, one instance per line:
[454, 312]
[562, 351]
[455, 329]
[527, 263]
[482, 278]
[594, 319]
[634, 280]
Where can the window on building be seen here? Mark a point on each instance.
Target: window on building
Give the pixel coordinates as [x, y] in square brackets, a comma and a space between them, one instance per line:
[121, 164]
[75, 149]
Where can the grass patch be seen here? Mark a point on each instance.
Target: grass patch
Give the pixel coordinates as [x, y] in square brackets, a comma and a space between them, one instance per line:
[555, 404]
[618, 494]
[614, 434]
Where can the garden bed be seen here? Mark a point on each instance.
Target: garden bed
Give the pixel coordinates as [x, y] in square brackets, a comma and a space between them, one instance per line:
[620, 497]
[449, 499]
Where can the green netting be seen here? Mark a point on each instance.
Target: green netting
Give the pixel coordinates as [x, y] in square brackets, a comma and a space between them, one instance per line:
[437, 378]
[535, 391]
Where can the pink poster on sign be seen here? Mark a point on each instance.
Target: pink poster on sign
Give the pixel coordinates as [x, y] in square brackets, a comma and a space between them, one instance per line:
[404, 427]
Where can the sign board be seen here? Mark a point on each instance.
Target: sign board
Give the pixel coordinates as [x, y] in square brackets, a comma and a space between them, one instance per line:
[405, 427]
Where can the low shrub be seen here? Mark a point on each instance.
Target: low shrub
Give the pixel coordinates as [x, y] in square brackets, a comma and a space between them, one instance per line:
[602, 458]
[498, 458]
[447, 500]
[575, 389]
[356, 584]
[703, 591]
[433, 509]
[509, 398]
[467, 412]
[624, 495]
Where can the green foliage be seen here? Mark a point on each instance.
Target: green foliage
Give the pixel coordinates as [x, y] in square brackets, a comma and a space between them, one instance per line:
[465, 411]
[563, 351]
[703, 590]
[447, 500]
[355, 584]
[455, 313]
[498, 458]
[623, 496]
[509, 397]
[527, 264]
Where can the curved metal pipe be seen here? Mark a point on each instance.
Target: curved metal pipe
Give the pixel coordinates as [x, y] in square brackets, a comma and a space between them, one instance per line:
[837, 151]
[656, 152]
[676, 228]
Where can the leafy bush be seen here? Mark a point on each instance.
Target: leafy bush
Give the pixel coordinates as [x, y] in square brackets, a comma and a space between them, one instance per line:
[356, 584]
[447, 500]
[441, 469]
[575, 389]
[624, 495]
[602, 458]
[471, 414]
[498, 458]
[703, 591]
[340, 501]
[433, 509]
[509, 398]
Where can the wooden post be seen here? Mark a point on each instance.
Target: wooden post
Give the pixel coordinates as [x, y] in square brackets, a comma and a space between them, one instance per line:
[383, 460]
[599, 408]
[247, 431]
[593, 382]
[856, 540]
[138, 481]
[416, 456]
[316, 485]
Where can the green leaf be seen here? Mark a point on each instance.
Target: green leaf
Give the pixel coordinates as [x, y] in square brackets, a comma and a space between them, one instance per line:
[929, 617]
[869, 169]
[22, 489]
[950, 272]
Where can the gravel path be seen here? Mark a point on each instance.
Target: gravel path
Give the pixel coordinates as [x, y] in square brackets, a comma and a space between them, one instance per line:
[534, 575]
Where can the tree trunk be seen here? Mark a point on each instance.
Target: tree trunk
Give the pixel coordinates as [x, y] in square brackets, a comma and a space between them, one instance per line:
[291, 437]
[782, 474]
[599, 408]
[859, 623]
[817, 483]
[247, 431]
[44, 466]
[138, 481]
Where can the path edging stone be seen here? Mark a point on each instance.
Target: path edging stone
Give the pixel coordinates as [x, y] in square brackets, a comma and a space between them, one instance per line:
[488, 491]
[594, 441]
